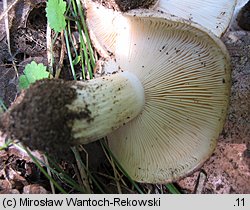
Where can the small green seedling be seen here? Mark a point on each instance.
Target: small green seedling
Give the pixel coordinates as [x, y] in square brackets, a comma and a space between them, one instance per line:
[32, 73]
[55, 10]
[3, 108]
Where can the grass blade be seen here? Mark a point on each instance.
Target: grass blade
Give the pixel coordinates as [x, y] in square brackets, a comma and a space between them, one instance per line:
[69, 53]
[172, 189]
[85, 29]
[2, 106]
[104, 145]
[44, 171]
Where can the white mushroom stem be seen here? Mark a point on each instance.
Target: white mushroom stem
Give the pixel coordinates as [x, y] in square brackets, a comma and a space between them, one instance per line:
[110, 101]
[53, 115]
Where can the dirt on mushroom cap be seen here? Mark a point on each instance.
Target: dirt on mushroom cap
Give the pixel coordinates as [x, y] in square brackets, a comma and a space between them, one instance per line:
[125, 5]
[44, 123]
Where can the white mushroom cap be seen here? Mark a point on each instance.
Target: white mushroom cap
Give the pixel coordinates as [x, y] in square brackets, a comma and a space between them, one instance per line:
[104, 24]
[212, 14]
[185, 73]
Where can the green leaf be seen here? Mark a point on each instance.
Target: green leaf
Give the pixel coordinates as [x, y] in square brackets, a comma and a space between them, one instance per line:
[23, 82]
[55, 10]
[32, 73]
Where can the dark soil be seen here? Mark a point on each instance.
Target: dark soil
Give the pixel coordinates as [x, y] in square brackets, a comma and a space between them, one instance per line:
[244, 17]
[125, 5]
[51, 114]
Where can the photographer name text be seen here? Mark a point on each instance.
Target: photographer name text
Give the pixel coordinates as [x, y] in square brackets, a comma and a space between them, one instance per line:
[76, 202]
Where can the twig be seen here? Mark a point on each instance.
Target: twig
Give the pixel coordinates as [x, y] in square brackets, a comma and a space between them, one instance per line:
[111, 161]
[6, 22]
[5, 12]
[49, 173]
[49, 49]
[200, 182]
[82, 171]
[116, 177]
[62, 55]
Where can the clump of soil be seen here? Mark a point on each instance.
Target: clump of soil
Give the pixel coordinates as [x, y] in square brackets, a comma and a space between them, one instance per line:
[244, 17]
[125, 5]
[40, 121]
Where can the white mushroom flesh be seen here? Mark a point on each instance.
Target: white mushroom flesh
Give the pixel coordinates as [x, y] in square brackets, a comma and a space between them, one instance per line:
[212, 14]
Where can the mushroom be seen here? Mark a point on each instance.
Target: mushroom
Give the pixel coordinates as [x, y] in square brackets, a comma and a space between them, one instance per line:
[162, 111]
[105, 23]
[212, 14]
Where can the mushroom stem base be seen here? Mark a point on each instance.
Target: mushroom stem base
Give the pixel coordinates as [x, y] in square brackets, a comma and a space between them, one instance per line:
[53, 115]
